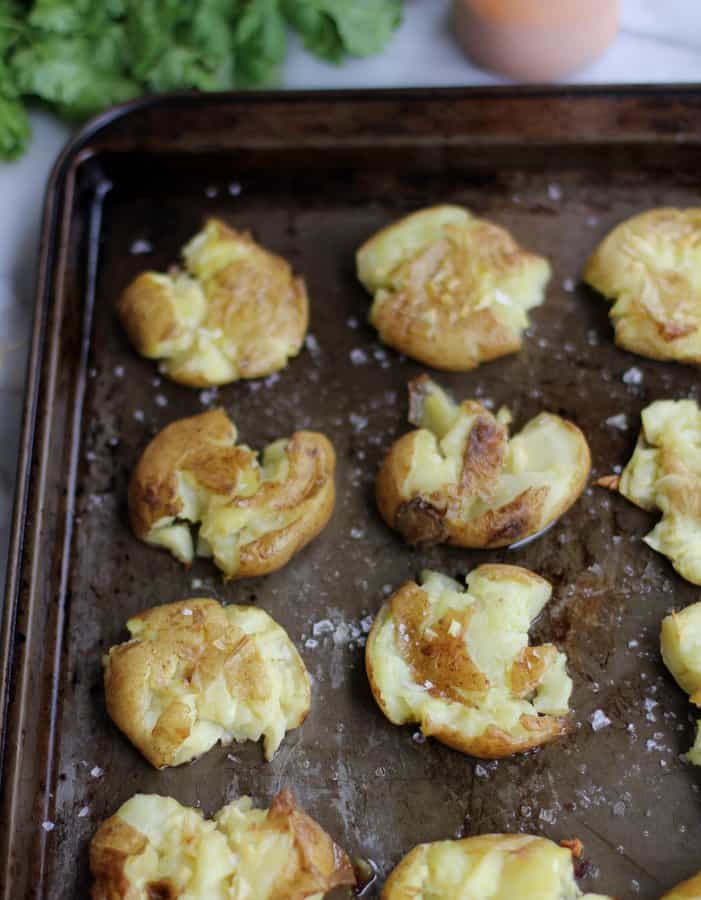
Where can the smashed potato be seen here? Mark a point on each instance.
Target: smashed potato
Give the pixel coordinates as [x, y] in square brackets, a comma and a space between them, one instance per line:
[687, 890]
[459, 479]
[650, 266]
[195, 673]
[450, 290]
[236, 311]
[487, 867]
[664, 474]
[680, 642]
[458, 662]
[155, 848]
[253, 516]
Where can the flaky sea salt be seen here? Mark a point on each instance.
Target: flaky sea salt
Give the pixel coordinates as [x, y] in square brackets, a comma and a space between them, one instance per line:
[358, 356]
[599, 720]
[161, 400]
[97, 772]
[83, 811]
[48, 826]
[554, 192]
[140, 246]
[619, 421]
[568, 285]
[187, 611]
[632, 376]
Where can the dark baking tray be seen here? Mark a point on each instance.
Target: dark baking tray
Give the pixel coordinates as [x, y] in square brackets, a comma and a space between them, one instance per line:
[313, 175]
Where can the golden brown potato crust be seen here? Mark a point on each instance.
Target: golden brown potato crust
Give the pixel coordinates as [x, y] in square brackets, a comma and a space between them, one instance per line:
[239, 845]
[253, 518]
[237, 311]
[650, 266]
[421, 665]
[195, 673]
[687, 890]
[488, 495]
[451, 290]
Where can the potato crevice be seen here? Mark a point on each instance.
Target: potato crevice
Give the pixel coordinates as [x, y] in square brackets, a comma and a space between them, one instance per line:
[450, 290]
[664, 475]
[494, 866]
[195, 673]
[459, 479]
[458, 662]
[252, 515]
[650, 266]
[237, 311]
[154, 847]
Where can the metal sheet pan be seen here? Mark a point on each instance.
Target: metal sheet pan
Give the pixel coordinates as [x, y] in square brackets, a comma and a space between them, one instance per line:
[312, 176]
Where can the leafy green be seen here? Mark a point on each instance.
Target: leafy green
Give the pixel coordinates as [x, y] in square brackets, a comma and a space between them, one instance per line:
[80, 56]
[14, 121]
[333, 28]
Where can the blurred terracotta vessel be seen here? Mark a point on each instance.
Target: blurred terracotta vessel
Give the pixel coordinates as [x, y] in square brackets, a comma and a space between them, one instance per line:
[535, 40]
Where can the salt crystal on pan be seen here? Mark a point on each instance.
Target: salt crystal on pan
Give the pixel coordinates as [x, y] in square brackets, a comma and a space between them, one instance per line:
[48, 826]
[358, 356]
[311, 643]
[568, 285]
[599, 720]
[619, 421]
[83, 811]
[196, 583]
[96, 771]
[161, 400]
[140, 246]
[323, 626]
[119, 371]
[554, 192]
[139, 415]
[633, 376]
[366, 623]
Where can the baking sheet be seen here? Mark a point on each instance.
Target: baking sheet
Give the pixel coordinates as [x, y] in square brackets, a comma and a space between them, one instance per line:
[312, 176]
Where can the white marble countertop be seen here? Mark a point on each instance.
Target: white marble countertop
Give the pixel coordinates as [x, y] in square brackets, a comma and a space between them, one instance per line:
[657, 42]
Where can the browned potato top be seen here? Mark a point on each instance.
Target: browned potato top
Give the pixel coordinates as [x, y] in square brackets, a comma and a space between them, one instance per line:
[236, 311]
[253, 515]
[195, 673]
[153, 847]
[459, 479]
[450, 290]
[458, 662]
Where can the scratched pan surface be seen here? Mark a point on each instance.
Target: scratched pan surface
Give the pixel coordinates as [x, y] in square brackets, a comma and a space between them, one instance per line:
[312, 177]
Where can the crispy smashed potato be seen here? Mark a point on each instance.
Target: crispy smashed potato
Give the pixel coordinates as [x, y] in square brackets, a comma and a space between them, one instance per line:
[664, 475]
[458, 662]
[459, 479]
[680, 642]
[687, 890]
[195, 673]
[253, 515]
[236, 311]
[487, 867]
[650, 266]
[450, 290]
[155, 848]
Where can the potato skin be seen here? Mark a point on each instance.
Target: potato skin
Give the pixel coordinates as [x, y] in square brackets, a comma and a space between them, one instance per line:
[205, 447]
[240, 311]
[548, 868]
[424, 518]
[687, 890]
[648, 266]
[315, 865]
[183, 648]
[494, 742]
[451, 290]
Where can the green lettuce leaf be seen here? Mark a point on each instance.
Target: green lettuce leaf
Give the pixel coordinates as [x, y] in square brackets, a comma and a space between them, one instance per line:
[333, 29]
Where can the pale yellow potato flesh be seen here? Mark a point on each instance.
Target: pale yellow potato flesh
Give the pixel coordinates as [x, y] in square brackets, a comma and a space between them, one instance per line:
[196, 673]
[487, 867]
[680, 643]
[650, 267]
[457, 661]
[450, 289]
[236, 311]
[154, 847]
[459, 479]
[664, 475]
